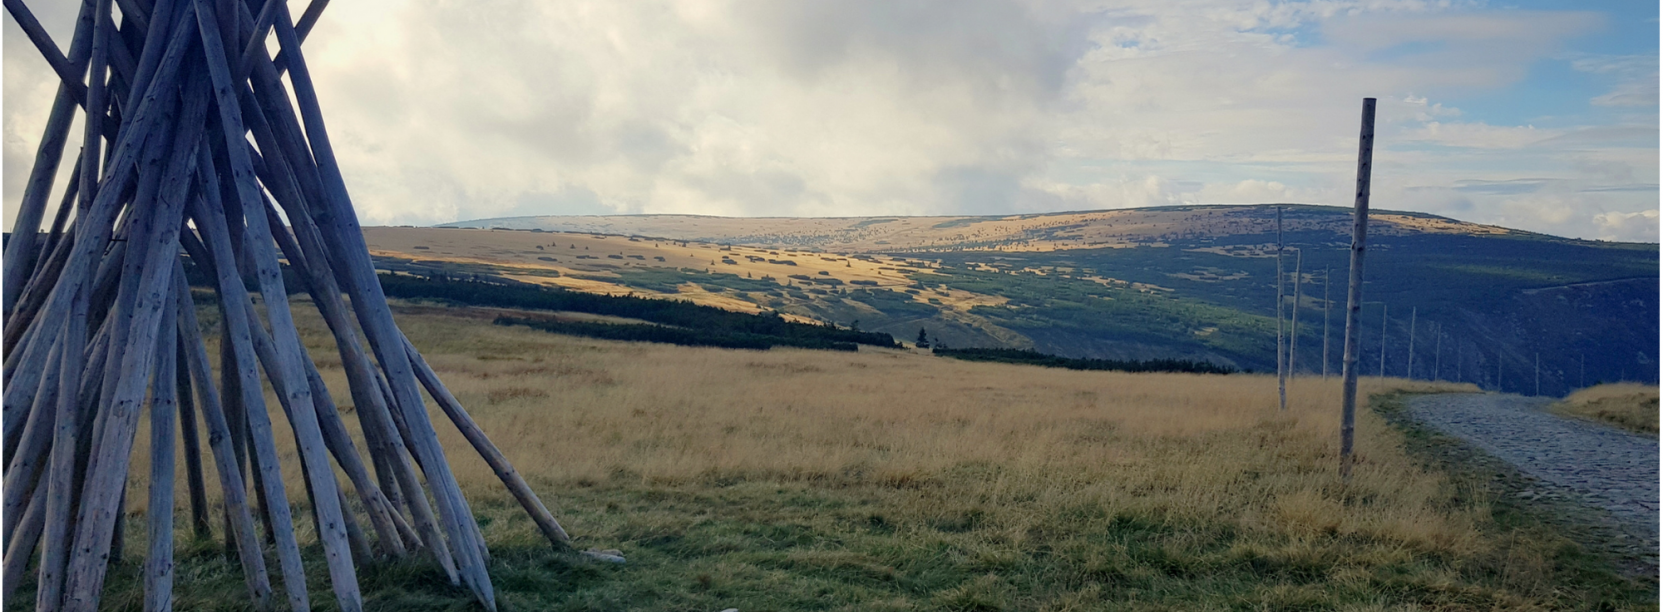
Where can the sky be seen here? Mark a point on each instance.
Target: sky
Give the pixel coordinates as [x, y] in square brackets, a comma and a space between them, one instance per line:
[1537, 115]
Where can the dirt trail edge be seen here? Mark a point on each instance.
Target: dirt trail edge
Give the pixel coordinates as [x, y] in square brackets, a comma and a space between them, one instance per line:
[1605, 467]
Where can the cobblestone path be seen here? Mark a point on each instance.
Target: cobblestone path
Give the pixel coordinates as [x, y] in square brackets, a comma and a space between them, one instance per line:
[1603, 466]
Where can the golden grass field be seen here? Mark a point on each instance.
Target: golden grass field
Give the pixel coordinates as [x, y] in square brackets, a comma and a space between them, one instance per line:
[1631, 406]
[590, 262]
[1014, 233]
[794, 479]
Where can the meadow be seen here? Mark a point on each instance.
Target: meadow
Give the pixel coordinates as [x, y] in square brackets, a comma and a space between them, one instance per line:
[884, 479]
[1631, 406]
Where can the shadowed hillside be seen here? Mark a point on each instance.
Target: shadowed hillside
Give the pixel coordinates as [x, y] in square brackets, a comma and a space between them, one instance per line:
[1186, 282]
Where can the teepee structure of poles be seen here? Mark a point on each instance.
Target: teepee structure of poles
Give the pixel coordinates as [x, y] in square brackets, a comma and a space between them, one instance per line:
[195, 145]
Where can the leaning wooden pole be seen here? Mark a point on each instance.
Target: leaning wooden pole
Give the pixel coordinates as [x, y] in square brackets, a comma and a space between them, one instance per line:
[1438, 351]
[499, 464]
[158, 564]
[188, 123]
[1354, 290]
[26, 225]
[1281, 341]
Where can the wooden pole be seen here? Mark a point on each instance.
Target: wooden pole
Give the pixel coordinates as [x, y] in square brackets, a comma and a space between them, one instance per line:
[1413, 314]
[337, 551]
[505, 471]
[21, 545]
[383, 331]
[1438, 353]
[88, 560]
[1354, 291]
[239, 518]
[95, 227]
[60, 491]
[1538, 374]
[1281, 344]
[239, 317]
[168, 173]
[193, 446]
[1293, 329]
[1385, 316]
[286, 128]
[48, 154]
[158, 565]
[1327, 308]
[31, 458]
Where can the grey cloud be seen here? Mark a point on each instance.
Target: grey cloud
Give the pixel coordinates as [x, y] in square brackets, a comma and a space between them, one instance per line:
[569, 201]
[1634, 188]
[462, 110]
[997, 46]
[1510, 186]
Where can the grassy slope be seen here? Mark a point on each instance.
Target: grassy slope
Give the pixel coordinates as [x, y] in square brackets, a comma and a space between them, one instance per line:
[789, 480]
[1489, 291]
[1626, 405]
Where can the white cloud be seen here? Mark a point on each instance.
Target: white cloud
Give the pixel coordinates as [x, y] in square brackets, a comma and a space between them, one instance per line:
[446, 111]
[1479, 135]
[1635, 75]
[1633, 226]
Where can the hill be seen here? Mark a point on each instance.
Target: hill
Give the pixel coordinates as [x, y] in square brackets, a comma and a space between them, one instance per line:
[1190, 282]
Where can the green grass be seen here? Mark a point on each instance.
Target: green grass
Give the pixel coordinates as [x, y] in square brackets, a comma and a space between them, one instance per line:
[804, 546]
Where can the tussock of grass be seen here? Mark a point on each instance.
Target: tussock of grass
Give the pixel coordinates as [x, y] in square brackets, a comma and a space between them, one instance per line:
[885, 480]
[1631, 406]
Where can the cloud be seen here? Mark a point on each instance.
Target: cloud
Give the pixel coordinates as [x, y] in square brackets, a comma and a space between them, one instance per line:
[1630, 226]
[447, 111]
[1635, 78]
[1479, 135]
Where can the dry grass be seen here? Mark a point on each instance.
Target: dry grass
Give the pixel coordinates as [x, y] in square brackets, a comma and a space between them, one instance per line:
[890, 479]
[1631, 406]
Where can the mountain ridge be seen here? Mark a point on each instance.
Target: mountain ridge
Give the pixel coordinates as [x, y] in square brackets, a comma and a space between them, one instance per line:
[1183, 282]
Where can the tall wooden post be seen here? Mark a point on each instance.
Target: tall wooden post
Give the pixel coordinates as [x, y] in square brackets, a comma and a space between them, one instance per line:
[1293, 329]
[1385, 316]
[1281, 344]
[1354, 292]
[1327, 307]
[1413, 314]
[1538, 374]
[1498, 369]
[1438, 354]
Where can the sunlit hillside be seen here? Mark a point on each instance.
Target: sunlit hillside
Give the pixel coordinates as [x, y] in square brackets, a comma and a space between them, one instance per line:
[1013, 233]
[1472, 303]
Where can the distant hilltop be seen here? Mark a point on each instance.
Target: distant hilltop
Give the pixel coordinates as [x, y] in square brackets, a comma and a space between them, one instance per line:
[1034, 232]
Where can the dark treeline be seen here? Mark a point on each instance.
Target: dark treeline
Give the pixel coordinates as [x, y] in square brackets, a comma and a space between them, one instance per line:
[1003, 355]
[705, 320]
[673, 335]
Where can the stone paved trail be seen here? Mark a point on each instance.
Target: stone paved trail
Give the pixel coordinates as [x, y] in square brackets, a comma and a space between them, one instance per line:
[1606, 467]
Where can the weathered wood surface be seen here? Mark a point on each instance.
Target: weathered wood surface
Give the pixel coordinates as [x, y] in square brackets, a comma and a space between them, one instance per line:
[47, 156]
[1281, 336]
[510, 477]
[1354, 289]
[164, 408]
[101, 326]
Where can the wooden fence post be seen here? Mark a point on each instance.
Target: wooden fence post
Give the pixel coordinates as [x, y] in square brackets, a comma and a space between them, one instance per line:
[1354, 292]
[1281, 344]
